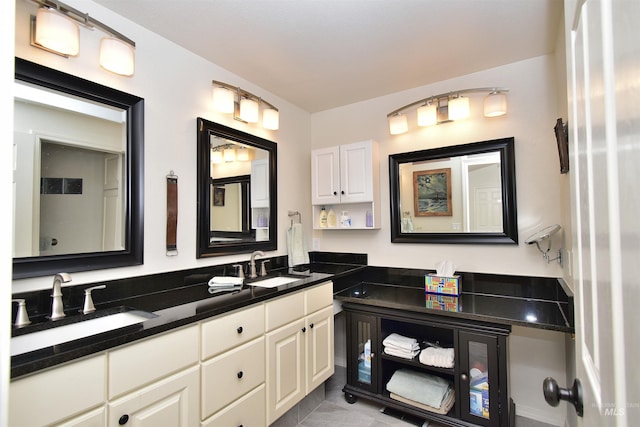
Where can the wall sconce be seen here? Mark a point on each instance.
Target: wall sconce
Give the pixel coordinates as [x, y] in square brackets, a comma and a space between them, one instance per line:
[447, 107]
[244, 105]
[55, 28]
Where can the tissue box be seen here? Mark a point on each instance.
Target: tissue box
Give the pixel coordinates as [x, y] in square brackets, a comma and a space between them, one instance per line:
[443, 285]
[442, 302]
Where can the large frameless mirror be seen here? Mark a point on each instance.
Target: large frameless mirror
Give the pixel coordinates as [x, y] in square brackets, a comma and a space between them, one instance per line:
[237, 184]
[78, 149]
[460, 194]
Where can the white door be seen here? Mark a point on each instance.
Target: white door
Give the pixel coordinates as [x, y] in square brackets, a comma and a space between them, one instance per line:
[604, 120]
[486, 214]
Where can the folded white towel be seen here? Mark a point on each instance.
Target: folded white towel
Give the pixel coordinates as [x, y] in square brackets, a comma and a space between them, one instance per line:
[394, 351]
[400, 341]
[438, 357]
[225, 281]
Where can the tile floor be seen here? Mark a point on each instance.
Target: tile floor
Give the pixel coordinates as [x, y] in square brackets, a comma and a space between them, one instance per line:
[334, 411]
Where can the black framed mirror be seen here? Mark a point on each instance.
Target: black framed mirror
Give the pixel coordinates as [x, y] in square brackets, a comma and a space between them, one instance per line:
[80, 175]
[237, 191]
[458, 194]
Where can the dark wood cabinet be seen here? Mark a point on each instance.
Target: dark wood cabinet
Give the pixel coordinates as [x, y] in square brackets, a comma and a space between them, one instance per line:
[478, 376]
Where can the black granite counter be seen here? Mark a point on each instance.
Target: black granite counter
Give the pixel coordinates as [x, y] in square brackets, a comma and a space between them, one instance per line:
[174, 306]
[537, 302]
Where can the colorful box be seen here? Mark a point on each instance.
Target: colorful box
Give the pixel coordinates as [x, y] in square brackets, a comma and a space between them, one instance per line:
[442, 302]
[443, 285]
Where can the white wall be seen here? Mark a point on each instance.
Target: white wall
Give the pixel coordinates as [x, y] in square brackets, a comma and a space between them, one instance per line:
[532, 114]
[176, 86]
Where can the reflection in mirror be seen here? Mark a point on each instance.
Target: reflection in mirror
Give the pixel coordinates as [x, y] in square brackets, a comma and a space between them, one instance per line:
[78, 174]
[460, 194]
[236, 191]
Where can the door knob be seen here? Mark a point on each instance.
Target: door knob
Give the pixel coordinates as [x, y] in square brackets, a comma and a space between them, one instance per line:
[553, 394]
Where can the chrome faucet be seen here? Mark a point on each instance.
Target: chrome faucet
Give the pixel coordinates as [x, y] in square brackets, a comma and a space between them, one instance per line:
[57, 308]
[252, 263]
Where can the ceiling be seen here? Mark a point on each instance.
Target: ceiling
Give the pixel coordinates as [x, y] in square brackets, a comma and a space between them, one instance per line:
[321, 54]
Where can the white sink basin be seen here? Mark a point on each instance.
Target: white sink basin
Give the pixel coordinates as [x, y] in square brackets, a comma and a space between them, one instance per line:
[60, 334]
[274, 281]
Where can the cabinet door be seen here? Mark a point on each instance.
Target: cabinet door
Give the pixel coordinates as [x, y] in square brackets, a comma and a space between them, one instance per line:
[260, 183]
[362, 333]
[285, 368]
[319, 347]
[325, 176]
[356, 172]
[480, 393]
[170, 402]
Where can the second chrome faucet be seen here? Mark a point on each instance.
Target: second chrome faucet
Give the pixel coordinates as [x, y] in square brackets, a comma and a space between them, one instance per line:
[57, 308]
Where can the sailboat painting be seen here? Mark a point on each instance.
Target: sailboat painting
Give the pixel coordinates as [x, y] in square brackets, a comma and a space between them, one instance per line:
[432, 192]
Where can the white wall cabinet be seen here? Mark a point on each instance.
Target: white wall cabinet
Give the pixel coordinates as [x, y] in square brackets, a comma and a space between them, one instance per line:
[299, 342]
[260, 198]
[347, 178]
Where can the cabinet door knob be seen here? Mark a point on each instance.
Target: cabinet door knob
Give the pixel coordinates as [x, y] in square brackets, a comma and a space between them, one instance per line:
[335, 193]
[304, 329]
[342, 192]
[123, 419]
[239, 329]
[239, 374]
[553, 394]
[464, 377]
[311, 325]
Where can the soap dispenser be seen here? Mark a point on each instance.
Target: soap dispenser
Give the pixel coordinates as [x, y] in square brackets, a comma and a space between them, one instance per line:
[322, 219]
[331, 218]
[345, 220]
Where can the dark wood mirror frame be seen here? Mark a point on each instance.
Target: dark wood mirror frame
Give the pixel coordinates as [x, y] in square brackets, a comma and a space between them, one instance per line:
[40, 75]
[505, 148]
[206, 129]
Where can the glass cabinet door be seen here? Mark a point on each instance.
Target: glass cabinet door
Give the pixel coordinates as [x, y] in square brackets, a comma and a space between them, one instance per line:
[362, 350]
[479, 379]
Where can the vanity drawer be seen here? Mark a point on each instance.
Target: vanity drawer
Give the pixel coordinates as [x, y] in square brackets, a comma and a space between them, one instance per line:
[318, 297]
[232, 374]
[284, 310]
[139, 364]
[231, 330]
[248, 411]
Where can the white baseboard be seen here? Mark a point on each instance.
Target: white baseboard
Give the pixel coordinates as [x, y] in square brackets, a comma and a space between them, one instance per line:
[539, 415]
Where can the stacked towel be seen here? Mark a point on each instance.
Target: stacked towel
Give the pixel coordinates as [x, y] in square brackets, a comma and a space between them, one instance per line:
[401, 346]
[296, 246]
[225, 284]
[439, 357]
[421, 389]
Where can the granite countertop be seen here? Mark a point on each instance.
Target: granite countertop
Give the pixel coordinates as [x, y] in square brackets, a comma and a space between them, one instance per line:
[536, 302]
[174, 307]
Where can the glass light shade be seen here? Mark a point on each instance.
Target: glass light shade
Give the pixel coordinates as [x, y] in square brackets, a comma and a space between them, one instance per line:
[427, 115]
[458, 108]
[216, 156]
[223, 100]
[249, 110]
[242, 154]
[57, 32]
[495, 104]
[117, 56]
[270, 119]
[229, 154]
[398, 124]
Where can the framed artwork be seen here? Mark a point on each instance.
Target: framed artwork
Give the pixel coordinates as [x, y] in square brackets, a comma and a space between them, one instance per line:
[432, 192]
[218, 196]
[562, 139]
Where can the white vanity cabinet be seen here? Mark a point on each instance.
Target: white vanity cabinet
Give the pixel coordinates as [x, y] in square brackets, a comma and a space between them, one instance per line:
[347, 178]
[69, 395]
[233, 369]
[299, 343]
[156, 381]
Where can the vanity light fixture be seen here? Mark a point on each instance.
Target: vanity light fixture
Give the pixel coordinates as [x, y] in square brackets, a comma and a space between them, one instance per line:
[55, 28]
[448, 107]
[244, 105]
[227, 153]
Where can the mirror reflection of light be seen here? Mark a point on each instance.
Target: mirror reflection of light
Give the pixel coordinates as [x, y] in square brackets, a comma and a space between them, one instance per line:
[531, 317]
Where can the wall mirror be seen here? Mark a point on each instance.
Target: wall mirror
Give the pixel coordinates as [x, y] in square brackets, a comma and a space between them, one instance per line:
[79, 150]
[460, 194]
[237, 191]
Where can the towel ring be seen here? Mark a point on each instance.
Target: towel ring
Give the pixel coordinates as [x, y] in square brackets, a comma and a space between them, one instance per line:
[293, 214]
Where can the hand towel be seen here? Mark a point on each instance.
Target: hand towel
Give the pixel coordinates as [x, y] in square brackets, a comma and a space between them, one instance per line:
[296, 246]
[400, 341]
[439, 357]
[419, 386]
[225, 281]
[405, 354]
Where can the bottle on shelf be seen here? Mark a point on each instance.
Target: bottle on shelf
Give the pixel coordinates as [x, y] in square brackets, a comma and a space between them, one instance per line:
[322, 219]
[345, 220]
[331, 218]
[369, 219]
